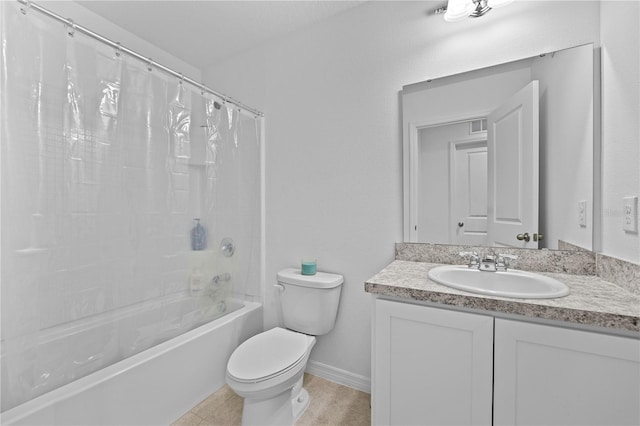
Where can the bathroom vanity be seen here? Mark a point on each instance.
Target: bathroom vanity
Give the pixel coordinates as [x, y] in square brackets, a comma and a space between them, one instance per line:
[445, 356]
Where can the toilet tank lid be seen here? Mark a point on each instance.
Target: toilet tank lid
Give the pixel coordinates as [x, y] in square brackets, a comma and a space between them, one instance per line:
[319, 280]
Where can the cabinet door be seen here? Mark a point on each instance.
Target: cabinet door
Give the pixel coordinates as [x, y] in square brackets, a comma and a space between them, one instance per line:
[431, 366]
[546, 375]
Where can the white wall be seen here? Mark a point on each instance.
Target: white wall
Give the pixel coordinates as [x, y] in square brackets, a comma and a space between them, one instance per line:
[86, 18]
[566, 145]
[620, 37]
[333, 143]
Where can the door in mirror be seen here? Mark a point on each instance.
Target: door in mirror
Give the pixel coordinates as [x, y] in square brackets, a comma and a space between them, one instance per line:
[512, 144]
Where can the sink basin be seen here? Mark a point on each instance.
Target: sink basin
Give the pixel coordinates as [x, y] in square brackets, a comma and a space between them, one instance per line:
[511, 283]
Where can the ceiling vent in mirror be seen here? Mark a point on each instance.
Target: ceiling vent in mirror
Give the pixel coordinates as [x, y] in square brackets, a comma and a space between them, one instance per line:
[477, 126]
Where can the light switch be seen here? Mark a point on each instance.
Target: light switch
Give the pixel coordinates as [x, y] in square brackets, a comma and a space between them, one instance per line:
[630, 214]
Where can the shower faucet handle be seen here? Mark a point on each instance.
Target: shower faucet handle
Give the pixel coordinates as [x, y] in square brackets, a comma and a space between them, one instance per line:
[221, 277]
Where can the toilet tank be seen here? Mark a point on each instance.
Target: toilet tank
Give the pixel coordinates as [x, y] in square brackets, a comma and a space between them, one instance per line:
[309, 302]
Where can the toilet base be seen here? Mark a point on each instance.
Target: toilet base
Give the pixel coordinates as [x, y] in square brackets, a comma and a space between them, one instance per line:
[280, 410]
[299, 401]
[300, 404]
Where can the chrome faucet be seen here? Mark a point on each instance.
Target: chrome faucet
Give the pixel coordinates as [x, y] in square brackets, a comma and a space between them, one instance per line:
[489, 262]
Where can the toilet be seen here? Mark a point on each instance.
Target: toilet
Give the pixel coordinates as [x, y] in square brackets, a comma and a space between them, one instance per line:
[267, 369]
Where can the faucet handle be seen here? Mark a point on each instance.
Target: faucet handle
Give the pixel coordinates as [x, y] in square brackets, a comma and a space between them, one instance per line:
[502, 260]
[472, 256]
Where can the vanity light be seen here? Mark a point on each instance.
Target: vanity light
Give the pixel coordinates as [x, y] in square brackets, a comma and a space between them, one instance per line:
[457, 10]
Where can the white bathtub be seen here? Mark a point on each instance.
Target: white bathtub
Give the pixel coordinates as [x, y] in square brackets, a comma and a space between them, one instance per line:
[153, 387]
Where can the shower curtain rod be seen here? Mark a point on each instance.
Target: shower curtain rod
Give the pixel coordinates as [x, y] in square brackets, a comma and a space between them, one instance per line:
[119, 48]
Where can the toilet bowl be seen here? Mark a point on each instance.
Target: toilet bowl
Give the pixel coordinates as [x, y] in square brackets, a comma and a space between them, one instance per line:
[271, 384]
[267, 370]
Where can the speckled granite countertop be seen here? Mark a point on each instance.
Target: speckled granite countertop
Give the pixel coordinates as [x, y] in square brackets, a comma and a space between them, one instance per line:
[592, 301]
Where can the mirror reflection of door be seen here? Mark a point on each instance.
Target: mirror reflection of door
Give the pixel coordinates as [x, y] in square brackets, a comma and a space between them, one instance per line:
[468, 192]
[452, 183]
[513, 130]
[568, 150]
[491, 196]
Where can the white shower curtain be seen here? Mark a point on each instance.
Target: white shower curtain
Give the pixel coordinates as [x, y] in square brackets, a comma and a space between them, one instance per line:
[105, 163]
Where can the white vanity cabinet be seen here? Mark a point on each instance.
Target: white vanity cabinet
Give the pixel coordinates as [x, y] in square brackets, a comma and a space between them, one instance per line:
[431, 366]
[546, 375]
[434, 366]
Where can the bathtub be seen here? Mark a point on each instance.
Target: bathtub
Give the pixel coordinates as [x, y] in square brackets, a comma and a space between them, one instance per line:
[153, 387]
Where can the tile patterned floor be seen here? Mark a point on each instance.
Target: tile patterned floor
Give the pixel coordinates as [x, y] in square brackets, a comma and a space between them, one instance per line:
[331, 404]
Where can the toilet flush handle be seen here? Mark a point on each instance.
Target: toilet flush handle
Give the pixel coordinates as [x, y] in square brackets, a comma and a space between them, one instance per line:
[279, 287]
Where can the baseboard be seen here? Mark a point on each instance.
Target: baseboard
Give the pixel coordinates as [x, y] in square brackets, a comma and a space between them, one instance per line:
[339, 376]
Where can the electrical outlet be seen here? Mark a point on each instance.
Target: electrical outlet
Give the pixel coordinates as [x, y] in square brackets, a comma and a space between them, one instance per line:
[582, 213]
[630, 214]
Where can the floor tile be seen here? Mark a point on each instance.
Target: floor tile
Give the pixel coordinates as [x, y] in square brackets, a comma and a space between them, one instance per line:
[331, 405]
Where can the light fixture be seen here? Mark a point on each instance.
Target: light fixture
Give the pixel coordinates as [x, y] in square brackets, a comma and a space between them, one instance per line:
[457, 10]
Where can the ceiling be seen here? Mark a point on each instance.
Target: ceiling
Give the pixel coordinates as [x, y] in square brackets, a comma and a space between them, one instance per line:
[202, 32]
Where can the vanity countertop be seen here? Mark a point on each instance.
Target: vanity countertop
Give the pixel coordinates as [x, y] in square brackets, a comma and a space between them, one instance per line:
[592, 301]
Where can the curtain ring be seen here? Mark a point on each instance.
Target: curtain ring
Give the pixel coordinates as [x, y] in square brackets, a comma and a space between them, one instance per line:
[181, 78]
[72, 25]
[118, 49]
[150, 65]
[27, 6]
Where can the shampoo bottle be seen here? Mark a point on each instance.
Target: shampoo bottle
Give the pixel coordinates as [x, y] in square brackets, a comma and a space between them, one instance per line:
[198, 236]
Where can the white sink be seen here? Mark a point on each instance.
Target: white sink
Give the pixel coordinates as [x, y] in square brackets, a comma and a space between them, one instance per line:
[511, 283]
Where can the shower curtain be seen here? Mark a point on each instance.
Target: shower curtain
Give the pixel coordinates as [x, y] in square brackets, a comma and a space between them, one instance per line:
[105, 163]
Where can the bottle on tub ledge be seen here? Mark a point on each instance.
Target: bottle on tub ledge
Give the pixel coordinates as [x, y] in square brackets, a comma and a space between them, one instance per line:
[198, 236]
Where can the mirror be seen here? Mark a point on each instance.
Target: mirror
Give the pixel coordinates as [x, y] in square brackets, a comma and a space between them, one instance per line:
[484, 166]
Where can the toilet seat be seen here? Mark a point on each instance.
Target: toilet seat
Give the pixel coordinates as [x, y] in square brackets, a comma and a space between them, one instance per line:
[267, 355]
